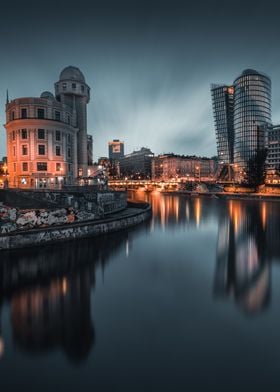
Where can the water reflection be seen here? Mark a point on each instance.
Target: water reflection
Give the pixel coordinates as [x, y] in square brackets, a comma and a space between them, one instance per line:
[50, 290]
[243, 263]
[49, 293]
[247, 241]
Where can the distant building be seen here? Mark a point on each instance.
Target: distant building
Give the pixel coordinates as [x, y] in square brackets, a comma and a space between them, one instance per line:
[116, 149]
[222, 100]
[171, 166]
[90, 150]
[273, 147]
[138, 164]
[273, 153]
[47, 135]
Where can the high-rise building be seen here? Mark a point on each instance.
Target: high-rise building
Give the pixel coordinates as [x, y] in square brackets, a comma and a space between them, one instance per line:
[222, 101]
[252, 110]
[116, 149]
[46, 136]
[240, 113]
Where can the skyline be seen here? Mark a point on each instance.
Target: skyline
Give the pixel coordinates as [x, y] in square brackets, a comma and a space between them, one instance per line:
[149, 68]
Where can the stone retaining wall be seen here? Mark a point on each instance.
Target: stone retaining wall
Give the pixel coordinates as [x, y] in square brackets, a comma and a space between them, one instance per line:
[40, 236]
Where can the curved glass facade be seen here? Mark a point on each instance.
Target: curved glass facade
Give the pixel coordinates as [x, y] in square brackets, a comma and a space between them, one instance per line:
[252, 109]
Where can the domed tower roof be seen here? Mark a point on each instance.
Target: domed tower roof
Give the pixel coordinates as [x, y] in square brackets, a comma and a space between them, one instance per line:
[72, 73]
[249, 71]
[47, 95]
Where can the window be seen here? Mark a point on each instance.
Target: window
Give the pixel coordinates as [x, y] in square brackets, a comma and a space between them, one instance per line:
[58, 167]
[42, 166]
[14, 151]
[57, 151]
[41, 149]
[15, 167]
[69, 138]
[40, 113]
[23, 113]
[41, 134]
[73, 86]
[57, 136]
[24, 166]
[57, 115]
[69, 167]
[24, 133]
[82, 88]
[14, 135]
[68, 119]
[64, 86]
[69, 152]
[13, 115]
[24, 149]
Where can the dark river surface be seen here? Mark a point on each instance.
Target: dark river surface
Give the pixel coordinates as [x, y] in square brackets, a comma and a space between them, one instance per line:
[188, 301]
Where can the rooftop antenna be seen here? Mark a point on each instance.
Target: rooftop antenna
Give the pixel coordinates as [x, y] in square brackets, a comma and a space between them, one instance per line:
[7, 97]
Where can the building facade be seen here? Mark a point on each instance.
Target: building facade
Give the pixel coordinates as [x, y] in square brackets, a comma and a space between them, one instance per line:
[116, 149]
[46, 136]
[138, 164]
[273, 153]
[177, 167]
[222, 102]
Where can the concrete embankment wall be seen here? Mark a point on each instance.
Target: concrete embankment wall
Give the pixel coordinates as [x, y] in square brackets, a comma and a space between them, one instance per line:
[40, 236]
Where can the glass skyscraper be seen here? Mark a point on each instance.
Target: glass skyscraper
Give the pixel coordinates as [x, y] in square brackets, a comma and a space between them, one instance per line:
[252, 110]
[222, 100]
[242, 113]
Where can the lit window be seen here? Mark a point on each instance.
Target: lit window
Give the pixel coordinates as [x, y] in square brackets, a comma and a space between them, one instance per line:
[58, 167]
[24, 149]
[42, 166]
[64, 86]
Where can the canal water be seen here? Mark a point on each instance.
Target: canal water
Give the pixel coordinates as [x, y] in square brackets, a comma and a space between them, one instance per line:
[189, 300]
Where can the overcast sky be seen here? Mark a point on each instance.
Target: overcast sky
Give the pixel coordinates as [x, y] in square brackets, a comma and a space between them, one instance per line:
[149, 64]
